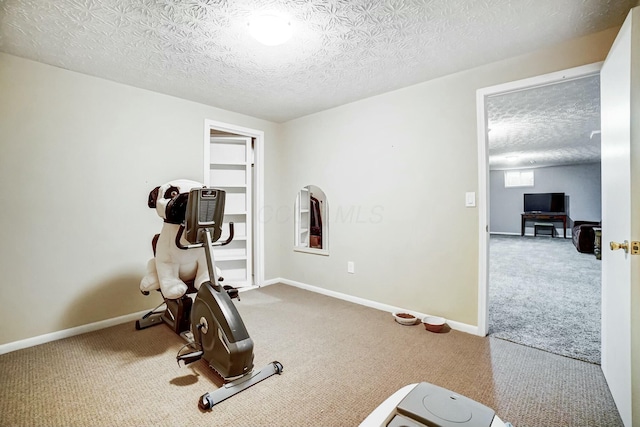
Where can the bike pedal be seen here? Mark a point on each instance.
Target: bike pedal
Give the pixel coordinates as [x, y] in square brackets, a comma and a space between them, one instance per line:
[190, 357]
[187, 336]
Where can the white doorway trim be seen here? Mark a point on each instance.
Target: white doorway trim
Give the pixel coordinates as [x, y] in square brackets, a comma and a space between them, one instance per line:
[483, 170]
[258, 190]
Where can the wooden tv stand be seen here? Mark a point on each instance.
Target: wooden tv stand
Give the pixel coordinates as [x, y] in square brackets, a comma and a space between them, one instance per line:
[546, 216]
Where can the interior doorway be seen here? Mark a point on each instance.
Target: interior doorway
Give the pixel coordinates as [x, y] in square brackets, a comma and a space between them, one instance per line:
[512, 227]
[234, 161]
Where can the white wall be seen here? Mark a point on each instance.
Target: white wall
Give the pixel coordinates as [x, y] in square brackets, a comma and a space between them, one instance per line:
[401, 163]
[78, 157]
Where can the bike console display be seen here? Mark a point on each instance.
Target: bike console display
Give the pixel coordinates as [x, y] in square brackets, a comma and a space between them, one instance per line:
[205, 210]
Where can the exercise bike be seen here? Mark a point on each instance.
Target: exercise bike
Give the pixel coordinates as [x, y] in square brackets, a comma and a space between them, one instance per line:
[427, 405]
[216, 332]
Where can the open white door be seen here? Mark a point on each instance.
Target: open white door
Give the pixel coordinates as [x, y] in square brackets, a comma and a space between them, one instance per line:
[618, 222]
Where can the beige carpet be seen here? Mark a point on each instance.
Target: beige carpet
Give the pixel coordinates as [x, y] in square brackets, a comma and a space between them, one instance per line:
[340, 361]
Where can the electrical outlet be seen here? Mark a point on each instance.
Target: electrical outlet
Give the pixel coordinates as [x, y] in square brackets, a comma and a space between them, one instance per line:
[351, 268]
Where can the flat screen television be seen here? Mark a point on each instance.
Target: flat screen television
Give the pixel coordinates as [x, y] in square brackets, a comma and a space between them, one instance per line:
[544, 202]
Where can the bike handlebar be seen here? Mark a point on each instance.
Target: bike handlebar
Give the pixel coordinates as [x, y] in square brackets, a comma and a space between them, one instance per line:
[200, 245]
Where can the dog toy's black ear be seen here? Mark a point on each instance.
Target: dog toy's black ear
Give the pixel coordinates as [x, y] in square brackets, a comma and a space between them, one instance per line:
[153, 197]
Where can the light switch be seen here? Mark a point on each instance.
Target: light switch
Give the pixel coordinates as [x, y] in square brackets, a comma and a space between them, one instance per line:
[470, 199]
[351, 268]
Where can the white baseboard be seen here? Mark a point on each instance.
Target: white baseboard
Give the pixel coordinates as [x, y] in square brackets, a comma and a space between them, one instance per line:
[66, 333]
[463, 327]
[272, 281]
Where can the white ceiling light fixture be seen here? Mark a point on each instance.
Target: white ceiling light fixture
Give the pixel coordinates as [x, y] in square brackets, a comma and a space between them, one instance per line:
[270, 29]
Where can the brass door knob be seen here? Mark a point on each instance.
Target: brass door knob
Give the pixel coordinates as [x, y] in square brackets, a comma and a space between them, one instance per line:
[615, 246]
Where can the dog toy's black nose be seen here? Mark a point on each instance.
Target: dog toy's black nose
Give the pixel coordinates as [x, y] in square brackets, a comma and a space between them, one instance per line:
[176, 209]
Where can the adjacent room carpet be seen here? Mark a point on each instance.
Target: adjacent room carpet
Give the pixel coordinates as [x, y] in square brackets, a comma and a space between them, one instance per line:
[545, 294]
[341, 361]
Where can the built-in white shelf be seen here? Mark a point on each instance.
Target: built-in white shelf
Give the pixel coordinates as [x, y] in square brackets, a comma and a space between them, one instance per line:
[229, 168]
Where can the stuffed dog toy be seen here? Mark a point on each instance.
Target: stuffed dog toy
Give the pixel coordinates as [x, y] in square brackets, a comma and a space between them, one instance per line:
[172, 266]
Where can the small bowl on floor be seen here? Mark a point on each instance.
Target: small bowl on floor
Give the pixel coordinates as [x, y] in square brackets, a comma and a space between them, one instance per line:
[433, 323]
[405, 318]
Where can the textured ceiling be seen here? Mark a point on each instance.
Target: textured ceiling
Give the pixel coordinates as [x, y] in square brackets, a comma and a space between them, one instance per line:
[341, 51]
[545, 126]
